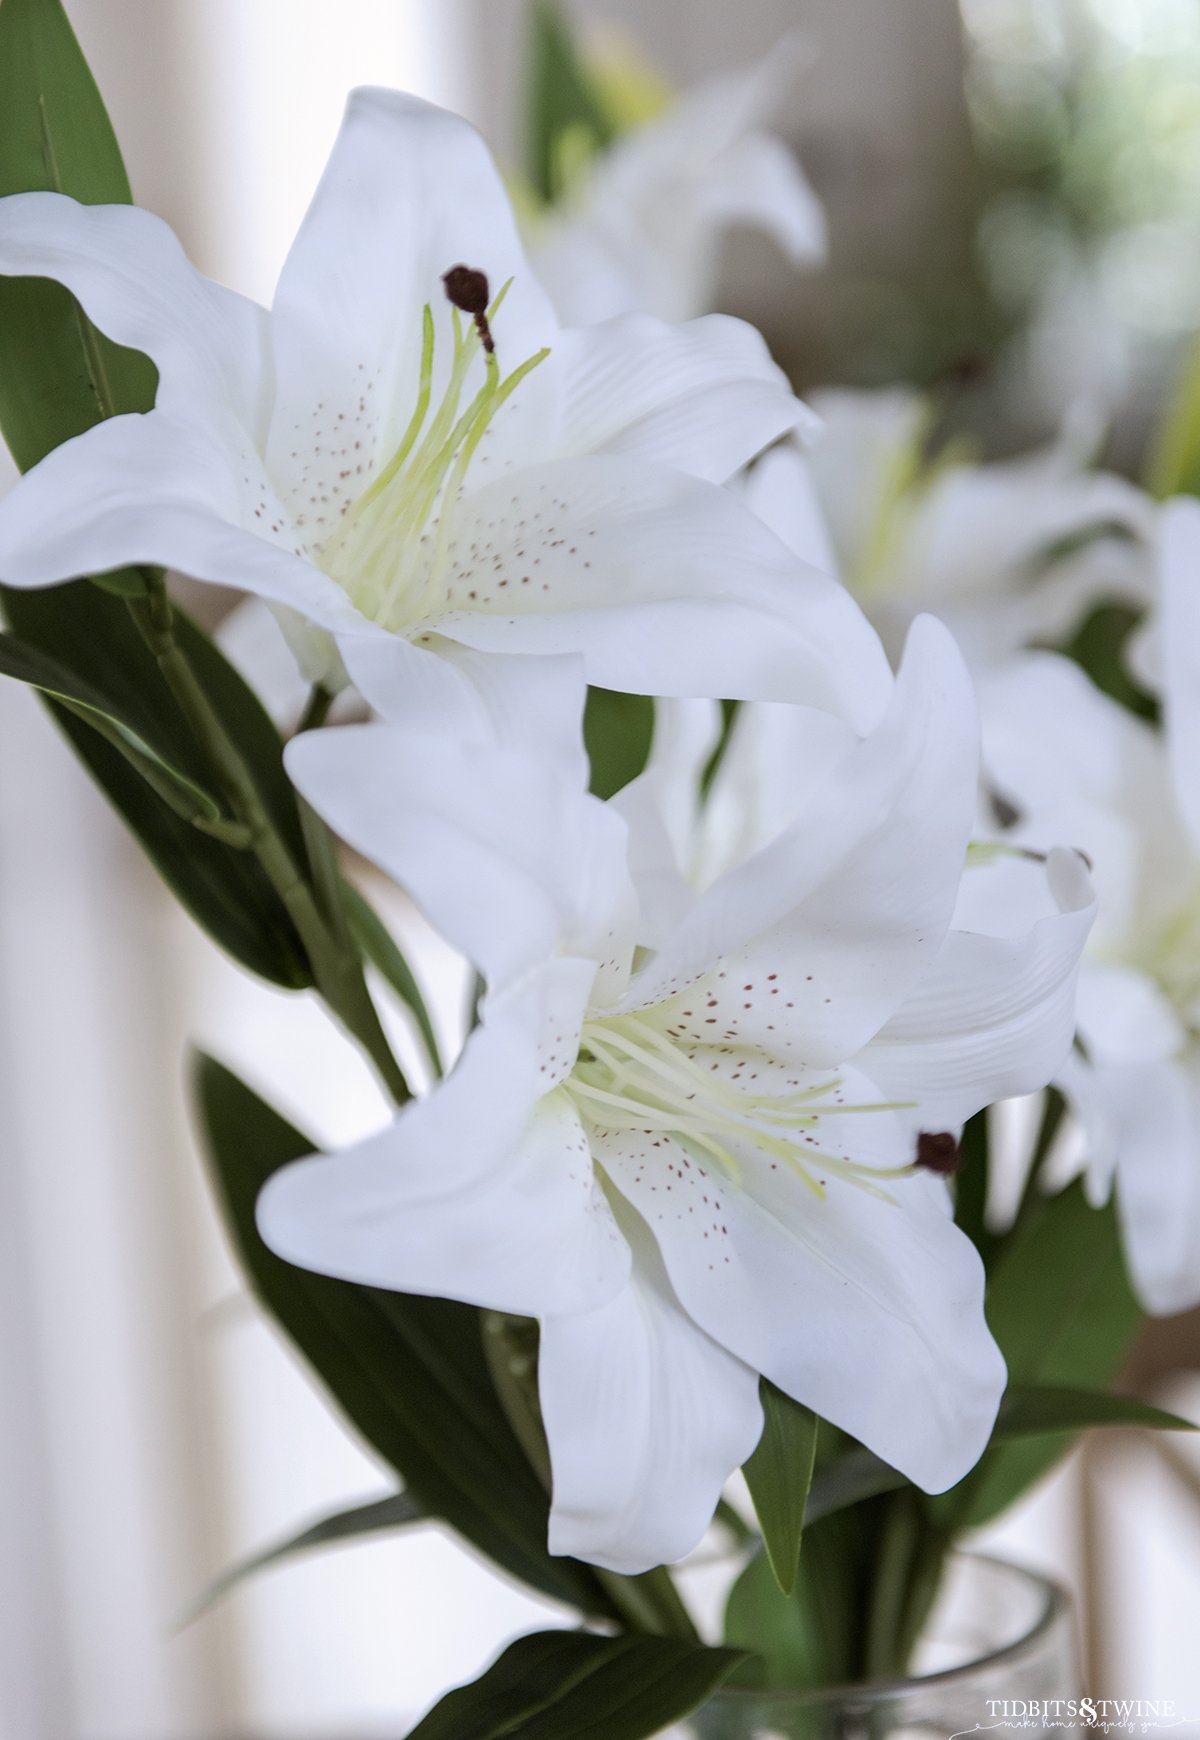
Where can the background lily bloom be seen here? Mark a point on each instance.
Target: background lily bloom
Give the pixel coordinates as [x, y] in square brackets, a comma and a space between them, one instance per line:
[1006, 553]
[640, 226]
[683, 1135]
[409, 453]
[1068, 762]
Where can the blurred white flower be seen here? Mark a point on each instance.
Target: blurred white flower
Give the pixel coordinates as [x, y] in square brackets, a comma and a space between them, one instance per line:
[688, 1134]
[1075, 765]
[641, 227]
[1006, 554]
[409, 454]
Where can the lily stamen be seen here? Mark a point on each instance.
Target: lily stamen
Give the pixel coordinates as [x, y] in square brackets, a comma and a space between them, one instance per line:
[630, 1077]
[377, 551]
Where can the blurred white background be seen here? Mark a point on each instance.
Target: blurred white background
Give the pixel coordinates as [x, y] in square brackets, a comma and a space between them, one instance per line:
[153, 1427]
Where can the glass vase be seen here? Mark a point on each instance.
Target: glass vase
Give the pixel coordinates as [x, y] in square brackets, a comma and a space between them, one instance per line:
[999, 1647]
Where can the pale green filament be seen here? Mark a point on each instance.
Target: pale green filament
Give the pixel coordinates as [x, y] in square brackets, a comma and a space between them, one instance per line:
[377, 552]
[629, 1076]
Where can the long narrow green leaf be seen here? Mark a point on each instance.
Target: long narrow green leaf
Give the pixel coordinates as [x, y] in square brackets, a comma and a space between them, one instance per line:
[409, 1374]
[378, 945]
[225, 890]
[779, 1475]
[58, 378]
[1029, 1410]
[382, 1515]
[58, 375]
[564, 1685]
[30, 664]
[856, 1476]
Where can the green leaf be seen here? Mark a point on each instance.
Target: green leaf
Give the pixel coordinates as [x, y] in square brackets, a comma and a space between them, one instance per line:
[1098, 646]
[409, 1374]
[225, 890]
[779, 1475]
[1029, 1410]
[397, 1510]
[58, 378]
[58, 375]
[617, 730]
[29, 664]
[565, 1685]
[1060, 1306]
[564, 102]
[970, 1186]
[856, 1476]
[378, 945]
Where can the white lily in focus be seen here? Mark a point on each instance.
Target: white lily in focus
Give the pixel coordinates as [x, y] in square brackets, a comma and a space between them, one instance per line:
[1006, 554]
[1067, 762]
[684, 1136]
[640, 228]
[409, 455]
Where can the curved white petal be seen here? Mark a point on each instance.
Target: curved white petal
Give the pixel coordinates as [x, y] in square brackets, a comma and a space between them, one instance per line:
[482, 1192]
[646, 1418]
[666, 585]
[780, 489]
[703, 397]
[759, 183]
[507, 859]
[822, 934]
[1125, 1017]
[256, 644]
[155, 489]
[1179, 608]
[1154, 1109]
[994, 1016]
[868, 1311]
[135, 282]
[408, 192]
[776, 760]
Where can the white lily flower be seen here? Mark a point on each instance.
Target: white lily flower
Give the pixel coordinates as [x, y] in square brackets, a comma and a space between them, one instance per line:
[683, 1136]
[409, 454]
[641, 227]
[1072, 764]
[1006, 553]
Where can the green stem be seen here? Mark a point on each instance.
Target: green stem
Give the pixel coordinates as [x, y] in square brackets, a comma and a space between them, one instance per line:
[316, 709]
[336, 966]
[884, 1654]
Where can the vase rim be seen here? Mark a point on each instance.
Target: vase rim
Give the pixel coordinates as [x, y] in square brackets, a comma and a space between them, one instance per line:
[1055, 1604]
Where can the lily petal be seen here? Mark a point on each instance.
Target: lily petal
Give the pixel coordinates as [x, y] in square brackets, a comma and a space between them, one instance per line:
[483, 1191]
[703, 397]
[135, 282]
[409, 191]
[1154, 1110]
[822, 934]
[759, 183]
[646, 1418]
[159, 490]
[868, 1311]
[666, 585]
[509, 861]
[995, 1015]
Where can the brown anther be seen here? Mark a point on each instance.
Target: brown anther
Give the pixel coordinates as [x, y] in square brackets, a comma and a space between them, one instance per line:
[939, 1153]
[467, 289]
